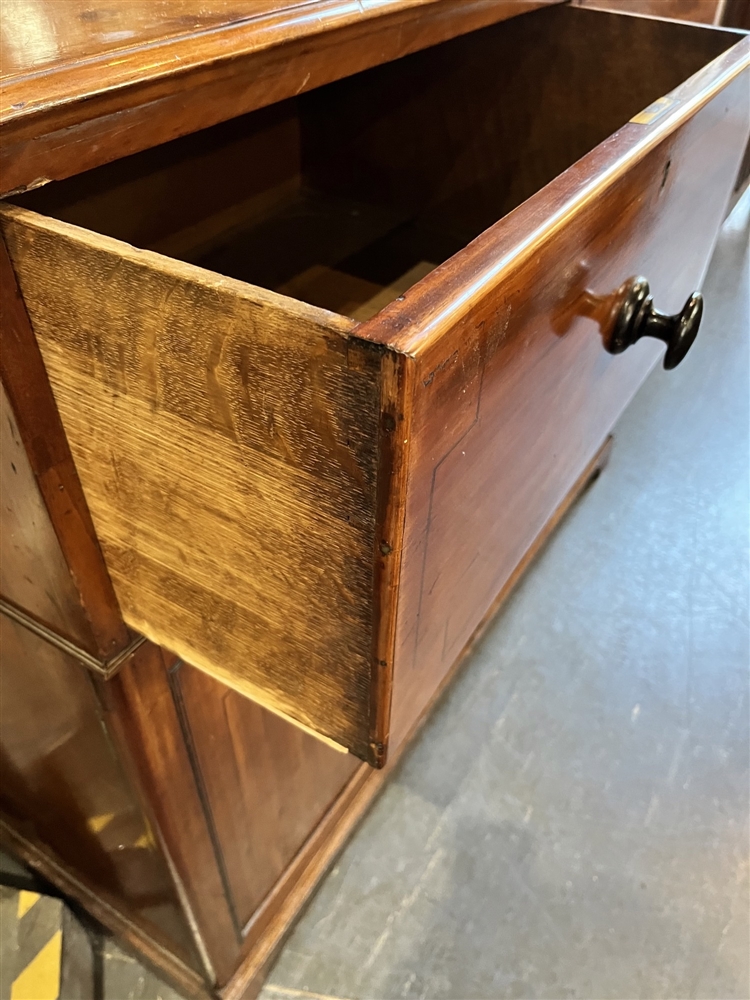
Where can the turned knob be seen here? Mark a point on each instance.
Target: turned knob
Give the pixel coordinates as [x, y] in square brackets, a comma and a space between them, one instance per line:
[636, 318]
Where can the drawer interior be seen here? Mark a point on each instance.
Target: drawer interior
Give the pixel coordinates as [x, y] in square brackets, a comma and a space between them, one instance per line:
[345, 196]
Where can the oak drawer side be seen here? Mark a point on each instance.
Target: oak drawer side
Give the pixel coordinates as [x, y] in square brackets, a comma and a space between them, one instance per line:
[226, 440]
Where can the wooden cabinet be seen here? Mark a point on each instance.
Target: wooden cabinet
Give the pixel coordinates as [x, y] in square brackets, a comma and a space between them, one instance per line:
[278, 488]
[298, 395]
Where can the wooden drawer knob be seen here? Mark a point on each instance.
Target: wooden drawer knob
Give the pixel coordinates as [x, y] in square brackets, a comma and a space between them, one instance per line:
[637, 318]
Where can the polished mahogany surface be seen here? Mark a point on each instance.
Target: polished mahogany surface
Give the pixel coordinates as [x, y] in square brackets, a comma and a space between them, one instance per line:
[110, 735]
[37, 37]
[369, 161]
[494, 370]
[152, 740]
[514, 390]
[85, 85]
[514, 393]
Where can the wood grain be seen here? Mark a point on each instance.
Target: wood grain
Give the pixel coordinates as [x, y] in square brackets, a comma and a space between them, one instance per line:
[286, 450]
[321, 513]
[168, 81]
[64, 749]
[226, 439]
[274, 920]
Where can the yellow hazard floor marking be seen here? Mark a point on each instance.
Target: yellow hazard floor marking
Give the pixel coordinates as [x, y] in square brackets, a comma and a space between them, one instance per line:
[40, 980]
[97, 823]
[26, 900]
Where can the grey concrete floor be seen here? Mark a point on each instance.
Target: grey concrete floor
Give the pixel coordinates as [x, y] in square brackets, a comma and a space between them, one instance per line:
[573, 820]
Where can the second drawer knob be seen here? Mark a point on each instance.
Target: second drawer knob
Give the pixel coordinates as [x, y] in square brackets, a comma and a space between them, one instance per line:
[637, 318]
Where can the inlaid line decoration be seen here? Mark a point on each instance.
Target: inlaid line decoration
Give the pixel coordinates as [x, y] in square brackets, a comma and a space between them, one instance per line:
[103, 668]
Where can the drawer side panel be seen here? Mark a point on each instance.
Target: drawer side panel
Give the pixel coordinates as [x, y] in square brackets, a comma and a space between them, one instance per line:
[226, 441]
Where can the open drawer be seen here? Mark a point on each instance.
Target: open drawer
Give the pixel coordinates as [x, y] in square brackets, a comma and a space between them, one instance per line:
[321, 401]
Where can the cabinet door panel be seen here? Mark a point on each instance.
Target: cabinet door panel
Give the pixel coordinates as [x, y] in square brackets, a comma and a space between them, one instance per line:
[267, 782]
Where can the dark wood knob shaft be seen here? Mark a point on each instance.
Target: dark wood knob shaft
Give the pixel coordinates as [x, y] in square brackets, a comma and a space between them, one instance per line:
[636, 318]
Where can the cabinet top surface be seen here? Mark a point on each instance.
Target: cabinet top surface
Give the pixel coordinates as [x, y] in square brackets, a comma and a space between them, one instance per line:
[108, 77]
[43, 35]
[43, 40]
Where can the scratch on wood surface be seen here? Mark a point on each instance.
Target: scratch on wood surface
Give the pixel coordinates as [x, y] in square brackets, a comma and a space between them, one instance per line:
[214, 387]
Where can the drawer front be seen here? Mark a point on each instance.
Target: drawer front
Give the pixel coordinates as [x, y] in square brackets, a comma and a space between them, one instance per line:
[514, 391]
